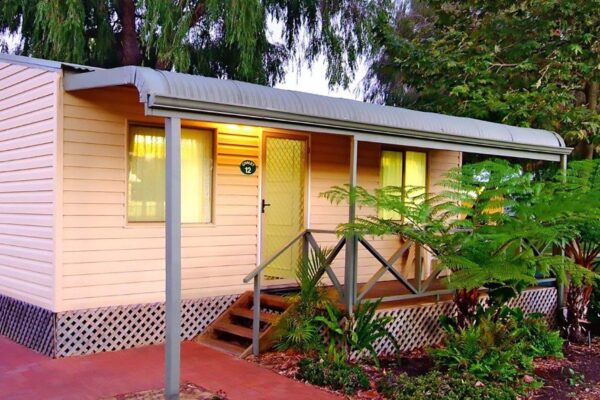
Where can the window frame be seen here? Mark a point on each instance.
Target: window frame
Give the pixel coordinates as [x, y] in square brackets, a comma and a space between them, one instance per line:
[214, 135]
[403, 150]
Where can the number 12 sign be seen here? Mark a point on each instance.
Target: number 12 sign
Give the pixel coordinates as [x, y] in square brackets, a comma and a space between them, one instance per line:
[248, 167]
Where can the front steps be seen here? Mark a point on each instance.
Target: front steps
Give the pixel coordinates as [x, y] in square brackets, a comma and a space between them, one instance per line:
[231, 332]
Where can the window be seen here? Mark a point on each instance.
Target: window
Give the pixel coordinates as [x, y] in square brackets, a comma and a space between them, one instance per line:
[404, 169]
[146, 178]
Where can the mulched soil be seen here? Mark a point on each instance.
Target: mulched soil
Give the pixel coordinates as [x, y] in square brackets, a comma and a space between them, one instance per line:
[577, 376]
[188, 391]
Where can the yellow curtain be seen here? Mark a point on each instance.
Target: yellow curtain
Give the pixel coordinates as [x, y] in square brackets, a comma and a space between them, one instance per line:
[415, 180]
[146, 192]
[390, 175]
[196, 175]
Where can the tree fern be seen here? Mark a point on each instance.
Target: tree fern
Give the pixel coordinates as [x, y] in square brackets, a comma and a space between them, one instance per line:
[484, 226]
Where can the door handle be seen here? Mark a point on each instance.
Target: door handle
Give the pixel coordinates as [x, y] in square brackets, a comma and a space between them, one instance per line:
[264, 205]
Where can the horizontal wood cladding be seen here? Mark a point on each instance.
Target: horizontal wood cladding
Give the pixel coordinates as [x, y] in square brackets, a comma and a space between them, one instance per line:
[108, 261]
[330, 166]
[28, 120]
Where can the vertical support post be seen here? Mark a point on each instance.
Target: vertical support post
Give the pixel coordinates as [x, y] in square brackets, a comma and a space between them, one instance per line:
[305, 246]
[173, 258]
[419, 269]
[350, 272]
[561, 286]
[256, 316]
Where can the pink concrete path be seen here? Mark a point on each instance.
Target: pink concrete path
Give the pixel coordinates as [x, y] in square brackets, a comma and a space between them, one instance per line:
[25, 374]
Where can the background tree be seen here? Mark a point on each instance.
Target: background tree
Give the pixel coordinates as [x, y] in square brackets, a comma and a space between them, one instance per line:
[223, 38]
[533, 63]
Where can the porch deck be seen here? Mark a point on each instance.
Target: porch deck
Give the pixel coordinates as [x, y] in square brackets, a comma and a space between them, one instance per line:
[390, 289]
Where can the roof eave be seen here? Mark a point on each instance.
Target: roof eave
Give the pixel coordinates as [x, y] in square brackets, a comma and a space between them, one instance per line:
[156, 102]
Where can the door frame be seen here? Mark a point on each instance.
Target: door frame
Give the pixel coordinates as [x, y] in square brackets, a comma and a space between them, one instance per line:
[275, 133]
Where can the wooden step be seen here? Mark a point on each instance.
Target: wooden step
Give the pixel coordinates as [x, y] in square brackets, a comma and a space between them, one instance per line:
[274, 301]
[237, 330]
[249, 314]
[224, 334]
[218, 344]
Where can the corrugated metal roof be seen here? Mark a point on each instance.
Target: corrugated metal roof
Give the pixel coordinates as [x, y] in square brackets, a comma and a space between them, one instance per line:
[162, 89]
[44, 64]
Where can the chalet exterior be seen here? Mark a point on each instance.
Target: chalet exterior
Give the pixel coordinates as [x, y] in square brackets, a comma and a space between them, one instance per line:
[84, 156]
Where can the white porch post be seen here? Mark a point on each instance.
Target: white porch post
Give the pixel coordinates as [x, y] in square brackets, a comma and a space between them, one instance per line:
[352, 241]
[173, 258]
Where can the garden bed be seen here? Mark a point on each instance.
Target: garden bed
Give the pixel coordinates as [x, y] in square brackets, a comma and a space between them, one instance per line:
[577, 376]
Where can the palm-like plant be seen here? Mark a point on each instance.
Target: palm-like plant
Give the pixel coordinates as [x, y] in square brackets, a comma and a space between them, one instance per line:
[299, 329]
[479, 227]
[573, 201]
[357, 332]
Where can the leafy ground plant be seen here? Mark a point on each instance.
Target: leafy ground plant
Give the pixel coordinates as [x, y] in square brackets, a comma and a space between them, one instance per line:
[539, 339]
[500, 346]
[440, 386]
[341, 376]
[300, 328]
[357, 332]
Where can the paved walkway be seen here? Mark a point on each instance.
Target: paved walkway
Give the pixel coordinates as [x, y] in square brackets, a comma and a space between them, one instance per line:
[25, 374]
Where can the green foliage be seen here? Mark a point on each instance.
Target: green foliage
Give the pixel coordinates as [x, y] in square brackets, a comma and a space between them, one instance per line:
[357, 332]
[573, 377]
[439, 386]
[299, 329]
[500, 346]
[339, 376]
[594, 310]
[525, 63]
[486, 351]
[573, 201]
[533, 332]
[228, 39]
[481, 226]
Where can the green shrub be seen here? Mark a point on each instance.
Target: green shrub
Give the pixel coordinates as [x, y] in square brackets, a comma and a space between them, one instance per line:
[439, 386]
[299, 329]
[538, 338]
[500, 346]
[312, 371]
[357, 332]
[339, 376]
[486, 350]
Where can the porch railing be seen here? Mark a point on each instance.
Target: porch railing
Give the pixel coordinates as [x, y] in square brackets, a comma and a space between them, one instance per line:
[419, 287]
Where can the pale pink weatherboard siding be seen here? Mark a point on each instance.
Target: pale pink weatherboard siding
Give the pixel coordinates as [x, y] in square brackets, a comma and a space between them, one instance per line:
[28, 125]
[107, 261]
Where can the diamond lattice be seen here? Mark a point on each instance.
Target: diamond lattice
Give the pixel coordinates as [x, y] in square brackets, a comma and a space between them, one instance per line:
[284, 189]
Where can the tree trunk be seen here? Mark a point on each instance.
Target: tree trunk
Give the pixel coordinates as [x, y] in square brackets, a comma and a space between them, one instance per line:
[586, 149]
[130, 53]
[578, 298]
[466, 302]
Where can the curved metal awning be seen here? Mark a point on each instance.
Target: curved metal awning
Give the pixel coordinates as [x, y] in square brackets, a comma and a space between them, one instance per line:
[169, 93]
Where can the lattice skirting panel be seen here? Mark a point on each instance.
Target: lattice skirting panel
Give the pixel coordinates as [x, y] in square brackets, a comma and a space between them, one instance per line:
[116, 328]
[26, 324]
[96, 330]
[418, 326]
